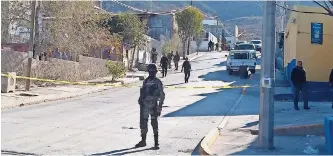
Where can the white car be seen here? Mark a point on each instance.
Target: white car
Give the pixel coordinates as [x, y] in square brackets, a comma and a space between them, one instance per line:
[257, 44]
[237, 58]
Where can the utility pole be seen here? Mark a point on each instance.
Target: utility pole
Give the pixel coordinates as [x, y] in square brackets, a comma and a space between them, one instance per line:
[282, 16]
[266, 116]
[191, 3]
[32, 40]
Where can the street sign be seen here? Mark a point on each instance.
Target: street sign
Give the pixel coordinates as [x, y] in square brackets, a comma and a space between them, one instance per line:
[266, 82]
[316, 33]
[30, 54]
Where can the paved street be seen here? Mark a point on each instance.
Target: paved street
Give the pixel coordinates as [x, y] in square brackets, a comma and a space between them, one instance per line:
[108, 122]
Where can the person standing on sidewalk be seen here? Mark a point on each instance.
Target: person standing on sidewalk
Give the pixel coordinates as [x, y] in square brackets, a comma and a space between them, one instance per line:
[176, 60]
[330, 82]
[298, 78]
[151, 100]
[164, 64]
[187, 69]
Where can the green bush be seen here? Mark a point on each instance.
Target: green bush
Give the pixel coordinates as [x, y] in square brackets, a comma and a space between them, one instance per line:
[116, 69]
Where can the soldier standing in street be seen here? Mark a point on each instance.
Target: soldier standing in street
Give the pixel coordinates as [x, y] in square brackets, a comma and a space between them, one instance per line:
[151, 100]
[164, 64]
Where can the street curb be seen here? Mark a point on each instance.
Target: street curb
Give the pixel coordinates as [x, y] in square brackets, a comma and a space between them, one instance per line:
[296, 130]
[208, 141]
[213, 134]
[64, 97]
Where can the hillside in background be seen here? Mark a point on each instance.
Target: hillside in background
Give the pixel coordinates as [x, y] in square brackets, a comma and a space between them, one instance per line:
[246, 14]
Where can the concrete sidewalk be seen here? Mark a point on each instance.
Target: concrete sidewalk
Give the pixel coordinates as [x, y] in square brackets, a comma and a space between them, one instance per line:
[235, 137]
[43, 94]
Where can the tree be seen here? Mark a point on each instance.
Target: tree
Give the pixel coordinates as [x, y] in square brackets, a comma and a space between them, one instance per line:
[133, 32]
[76, 27]
[116, 69]
[327, 5]
[13, 14]
[189, 25]
[167, 47]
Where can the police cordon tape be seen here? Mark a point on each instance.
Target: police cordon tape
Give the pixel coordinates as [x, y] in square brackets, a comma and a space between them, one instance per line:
[126, 86]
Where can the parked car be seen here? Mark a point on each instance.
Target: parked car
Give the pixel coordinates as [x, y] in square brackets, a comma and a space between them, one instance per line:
[237, 58]
[245, 46]
[257, 44]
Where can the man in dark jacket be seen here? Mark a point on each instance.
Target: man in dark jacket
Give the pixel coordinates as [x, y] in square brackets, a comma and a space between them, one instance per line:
[170, 57]
[298, 78]
[187, 69]
[330, 82]
[176, 60]
[164, 64]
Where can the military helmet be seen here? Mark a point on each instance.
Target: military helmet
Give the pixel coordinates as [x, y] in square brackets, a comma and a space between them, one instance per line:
[151, 68]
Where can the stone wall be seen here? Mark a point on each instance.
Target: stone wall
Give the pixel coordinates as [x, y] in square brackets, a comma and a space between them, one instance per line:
[56, 69]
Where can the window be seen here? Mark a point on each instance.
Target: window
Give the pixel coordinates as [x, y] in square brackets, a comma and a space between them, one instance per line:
[256, 42]
[252, 56]
[245, 47]
[239, 56]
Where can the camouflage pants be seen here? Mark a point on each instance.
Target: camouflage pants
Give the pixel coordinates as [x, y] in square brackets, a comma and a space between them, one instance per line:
[144, 116]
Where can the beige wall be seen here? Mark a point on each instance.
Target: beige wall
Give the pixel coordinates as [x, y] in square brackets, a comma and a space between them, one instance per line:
[56, 69]
[317, 59]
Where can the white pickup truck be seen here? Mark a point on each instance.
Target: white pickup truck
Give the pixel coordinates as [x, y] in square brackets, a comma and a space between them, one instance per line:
[236, 58]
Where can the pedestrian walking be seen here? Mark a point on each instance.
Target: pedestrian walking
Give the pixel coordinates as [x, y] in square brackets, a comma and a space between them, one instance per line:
[187, 69]
[153, 55]
[164, 64]
[170, 57]
[330, 82]
[210, 43]
[298, 78]
[151, 100]
[176, 60]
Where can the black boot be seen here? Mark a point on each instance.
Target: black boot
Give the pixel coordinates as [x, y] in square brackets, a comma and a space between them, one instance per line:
[156, 145]
[142, 143]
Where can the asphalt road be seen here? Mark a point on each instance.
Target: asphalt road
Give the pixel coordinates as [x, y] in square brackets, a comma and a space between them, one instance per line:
[107, 123]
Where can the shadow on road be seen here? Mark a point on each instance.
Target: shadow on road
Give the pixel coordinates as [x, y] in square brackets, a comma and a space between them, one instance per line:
[5, 152]
[217, 103]
[251, 124]
[124, 151]
[176, 84]
[214, 58]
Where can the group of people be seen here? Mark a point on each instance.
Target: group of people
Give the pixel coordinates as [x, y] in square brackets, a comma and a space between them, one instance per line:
[298, 78]
[166, 60]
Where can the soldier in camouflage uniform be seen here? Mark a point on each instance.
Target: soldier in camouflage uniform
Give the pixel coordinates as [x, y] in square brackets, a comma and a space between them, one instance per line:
[150, 101]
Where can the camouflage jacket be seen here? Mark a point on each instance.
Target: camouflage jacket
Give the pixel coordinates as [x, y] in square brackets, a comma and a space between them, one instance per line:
[151, 92]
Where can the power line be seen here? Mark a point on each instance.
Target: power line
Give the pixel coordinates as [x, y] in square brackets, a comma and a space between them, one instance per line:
[306, 12]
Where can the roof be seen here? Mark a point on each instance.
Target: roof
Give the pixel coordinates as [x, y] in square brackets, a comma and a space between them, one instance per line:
[242, 51]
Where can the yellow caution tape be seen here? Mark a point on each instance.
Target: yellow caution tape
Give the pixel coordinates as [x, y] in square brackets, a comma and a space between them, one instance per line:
[127, 86]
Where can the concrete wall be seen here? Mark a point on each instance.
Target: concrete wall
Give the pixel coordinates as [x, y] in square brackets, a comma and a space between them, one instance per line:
[56, 69]
[317, 59]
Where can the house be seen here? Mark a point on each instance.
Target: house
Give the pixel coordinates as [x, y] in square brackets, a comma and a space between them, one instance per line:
[308, 37]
